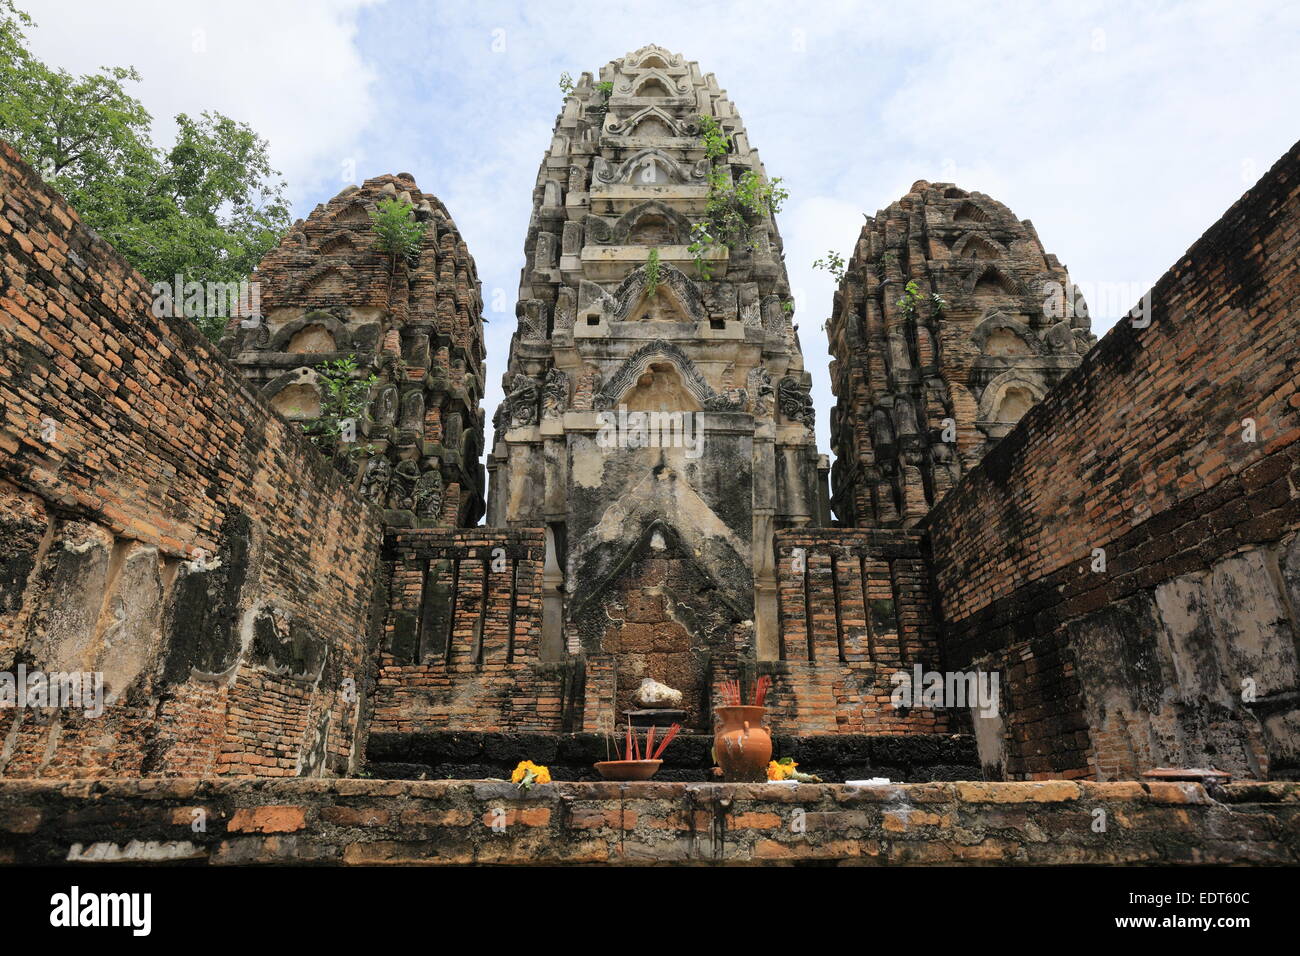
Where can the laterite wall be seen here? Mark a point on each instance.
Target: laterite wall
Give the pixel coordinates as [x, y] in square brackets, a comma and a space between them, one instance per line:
[1128, 555]
[161, 525]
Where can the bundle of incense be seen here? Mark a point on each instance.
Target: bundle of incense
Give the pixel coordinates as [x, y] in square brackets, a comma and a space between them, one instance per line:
[730, 692]
[668, 738]
[760, 692]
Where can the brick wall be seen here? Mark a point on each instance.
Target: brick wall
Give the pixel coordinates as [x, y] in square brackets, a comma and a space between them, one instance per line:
[445, 822]
[855, 609]
[472, 663]
[1127, 556]
[159, 524]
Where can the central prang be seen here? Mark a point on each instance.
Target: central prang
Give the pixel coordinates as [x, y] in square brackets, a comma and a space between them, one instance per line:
[654, 294]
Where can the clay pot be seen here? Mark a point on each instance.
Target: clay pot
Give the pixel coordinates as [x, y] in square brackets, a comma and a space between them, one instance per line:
[627, 769]
[741, 744]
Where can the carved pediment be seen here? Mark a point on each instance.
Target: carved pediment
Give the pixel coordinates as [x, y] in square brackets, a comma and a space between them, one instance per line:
[673, 283]
[658, 351]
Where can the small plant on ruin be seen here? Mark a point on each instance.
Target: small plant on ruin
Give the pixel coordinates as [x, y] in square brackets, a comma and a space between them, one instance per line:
[528, 774]
[833, 263]
[716, 143]
[400, 233]
[652, 273]
[907, 302]
[606, 90]
[734, 203]
[566, 83]
[345, 398]
[912, 296]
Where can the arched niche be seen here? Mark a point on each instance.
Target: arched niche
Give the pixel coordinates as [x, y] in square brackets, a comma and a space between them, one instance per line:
[648, 166]
[1003, 343]
[339, 244]
[1006, 399]
[652, 171]
[314, 339]
[295, 395]
[660, 388]
[992, 283]
[659, 352]
[675, 296]
[327, 280]
[1001, 335]
[967, 211]
[977, 247]
[1012, 404]
[648, 122]
[356, 212]
[314, 333]
[653, 229]
[654, 85]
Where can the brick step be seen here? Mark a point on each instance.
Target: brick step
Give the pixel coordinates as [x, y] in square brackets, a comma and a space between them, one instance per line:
[456, 754]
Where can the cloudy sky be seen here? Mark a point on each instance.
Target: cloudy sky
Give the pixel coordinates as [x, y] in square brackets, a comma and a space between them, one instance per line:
[1122, 131]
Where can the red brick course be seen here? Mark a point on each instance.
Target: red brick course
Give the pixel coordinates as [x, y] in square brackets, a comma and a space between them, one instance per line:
[1139, 452]
[128, 444]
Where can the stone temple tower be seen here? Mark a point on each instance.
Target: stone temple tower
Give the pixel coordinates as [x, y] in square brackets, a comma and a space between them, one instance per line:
[656, 418]
[951, 321]
[328, 293]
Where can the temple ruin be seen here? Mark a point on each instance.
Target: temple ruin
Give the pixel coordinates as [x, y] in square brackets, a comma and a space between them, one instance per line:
[1111, 529]
[657, 422]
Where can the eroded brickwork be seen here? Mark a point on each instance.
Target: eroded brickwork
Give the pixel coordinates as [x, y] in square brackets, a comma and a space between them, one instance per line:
[328, 292]
[950, 322]
[449, 823]
[462, 639]
[856, 610]
[1128, 556]
[162, 526]
[620, 320]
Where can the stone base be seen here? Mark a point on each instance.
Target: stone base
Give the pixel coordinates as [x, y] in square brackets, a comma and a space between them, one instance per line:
[661, 717]
[447, 822]
[468, 755]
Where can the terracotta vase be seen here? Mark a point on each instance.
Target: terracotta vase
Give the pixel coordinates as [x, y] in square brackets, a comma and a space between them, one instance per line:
[741, 744]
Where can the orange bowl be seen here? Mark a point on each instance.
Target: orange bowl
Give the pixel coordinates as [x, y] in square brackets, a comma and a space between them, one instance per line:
[627, 769]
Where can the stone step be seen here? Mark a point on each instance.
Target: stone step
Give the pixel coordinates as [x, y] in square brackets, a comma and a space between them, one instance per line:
[455, 754]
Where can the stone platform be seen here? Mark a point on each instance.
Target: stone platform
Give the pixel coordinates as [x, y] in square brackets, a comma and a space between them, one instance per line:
[449, 822]
[913, 758]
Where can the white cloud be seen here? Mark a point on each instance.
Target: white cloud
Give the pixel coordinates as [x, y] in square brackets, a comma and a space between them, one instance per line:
[1121, 131]
[292, 71]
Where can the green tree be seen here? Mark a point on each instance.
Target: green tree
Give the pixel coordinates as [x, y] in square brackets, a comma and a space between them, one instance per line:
[206, 209]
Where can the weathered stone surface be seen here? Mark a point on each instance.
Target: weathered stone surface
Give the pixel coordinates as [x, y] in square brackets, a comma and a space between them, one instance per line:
[150, 506]
[327, 293]
[1125, 556]
[656, 526]
[950, 322]
[451, 823]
